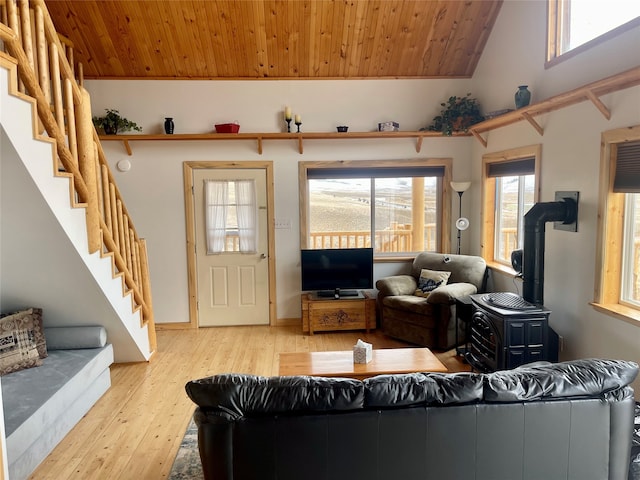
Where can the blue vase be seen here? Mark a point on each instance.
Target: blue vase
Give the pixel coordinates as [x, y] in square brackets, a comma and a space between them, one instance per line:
[523, 96]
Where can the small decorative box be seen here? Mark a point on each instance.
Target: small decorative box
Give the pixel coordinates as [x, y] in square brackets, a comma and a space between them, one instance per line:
[227, 128]
[388, 127]
[362, 352]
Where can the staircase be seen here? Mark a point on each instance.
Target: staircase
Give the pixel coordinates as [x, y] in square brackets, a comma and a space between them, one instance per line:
[67, 243]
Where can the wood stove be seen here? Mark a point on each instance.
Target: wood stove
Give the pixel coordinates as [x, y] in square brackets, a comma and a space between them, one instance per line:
[507, 331]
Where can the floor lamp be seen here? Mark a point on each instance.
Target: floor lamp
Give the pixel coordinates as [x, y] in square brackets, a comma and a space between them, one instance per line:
[461, 223]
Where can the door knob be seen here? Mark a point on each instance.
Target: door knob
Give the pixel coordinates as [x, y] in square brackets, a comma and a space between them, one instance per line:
[263, 256]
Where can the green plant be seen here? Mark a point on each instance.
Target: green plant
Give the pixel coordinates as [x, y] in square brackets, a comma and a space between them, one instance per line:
[457, 115]
[113, 123]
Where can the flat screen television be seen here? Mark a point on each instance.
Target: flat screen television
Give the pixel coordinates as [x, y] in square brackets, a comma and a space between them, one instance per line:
[337, 272]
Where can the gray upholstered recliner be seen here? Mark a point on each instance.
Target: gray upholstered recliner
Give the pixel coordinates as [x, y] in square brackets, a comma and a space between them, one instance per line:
[430, 320]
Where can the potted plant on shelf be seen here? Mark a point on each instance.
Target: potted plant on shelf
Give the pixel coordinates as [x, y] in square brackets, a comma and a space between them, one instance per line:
[457, 115]
[113, 123]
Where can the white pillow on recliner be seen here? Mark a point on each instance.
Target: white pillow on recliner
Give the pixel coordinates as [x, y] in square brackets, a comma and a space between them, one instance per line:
[430, 280]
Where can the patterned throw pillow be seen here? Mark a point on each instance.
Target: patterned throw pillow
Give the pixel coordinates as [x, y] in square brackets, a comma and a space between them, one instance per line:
[32, 318]
[430, 280]
[18, 346]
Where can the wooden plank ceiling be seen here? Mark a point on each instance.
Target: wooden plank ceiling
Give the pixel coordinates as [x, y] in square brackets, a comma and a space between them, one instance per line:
[237, 39]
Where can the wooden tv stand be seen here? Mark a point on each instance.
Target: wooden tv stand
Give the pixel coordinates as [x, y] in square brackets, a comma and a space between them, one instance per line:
[324, 314]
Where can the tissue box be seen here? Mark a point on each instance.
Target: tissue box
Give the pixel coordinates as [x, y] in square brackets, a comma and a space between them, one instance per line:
[362, 354]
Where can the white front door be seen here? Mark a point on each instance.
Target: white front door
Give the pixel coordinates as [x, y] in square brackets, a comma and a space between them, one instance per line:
[232, 286]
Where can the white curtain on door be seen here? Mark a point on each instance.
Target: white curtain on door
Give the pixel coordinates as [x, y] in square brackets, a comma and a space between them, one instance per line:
[216, 194]
[217, 207]
[247, 211]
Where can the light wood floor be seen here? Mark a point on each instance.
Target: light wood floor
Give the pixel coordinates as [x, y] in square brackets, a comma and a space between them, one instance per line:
[135, 429]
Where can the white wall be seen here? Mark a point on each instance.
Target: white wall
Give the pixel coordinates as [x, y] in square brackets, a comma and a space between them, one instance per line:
[570, 161]
[153, 188]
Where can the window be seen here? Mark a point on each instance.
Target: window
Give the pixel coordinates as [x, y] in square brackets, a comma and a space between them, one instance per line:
[393, 207]
[510, 188]
[575, 25]
[631, 247]
[231, 216]
[617, 289]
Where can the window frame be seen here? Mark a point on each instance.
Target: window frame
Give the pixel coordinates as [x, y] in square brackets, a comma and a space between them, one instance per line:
[445, 210]
[609, 251]
[488, 186]
[557, 18]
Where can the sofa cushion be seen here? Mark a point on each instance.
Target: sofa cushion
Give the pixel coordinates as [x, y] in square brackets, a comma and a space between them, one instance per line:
[429, 280]
[411, 389]
[19, 336]
[582, 377]
[244, 395]
[72, 338]
[410, 303]
[33, 315]
[447, 294]
[396, 285]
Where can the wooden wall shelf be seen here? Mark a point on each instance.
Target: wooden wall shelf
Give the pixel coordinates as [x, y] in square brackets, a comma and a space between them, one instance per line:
[592, 92]
[259, 137]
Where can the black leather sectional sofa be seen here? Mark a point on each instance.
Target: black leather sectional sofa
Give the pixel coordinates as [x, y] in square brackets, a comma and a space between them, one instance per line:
[570, 420]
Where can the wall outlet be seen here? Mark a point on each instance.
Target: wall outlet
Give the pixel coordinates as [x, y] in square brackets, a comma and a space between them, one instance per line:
[283, 223]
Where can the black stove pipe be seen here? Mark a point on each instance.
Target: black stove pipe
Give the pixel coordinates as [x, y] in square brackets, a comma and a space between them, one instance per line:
[564, 211]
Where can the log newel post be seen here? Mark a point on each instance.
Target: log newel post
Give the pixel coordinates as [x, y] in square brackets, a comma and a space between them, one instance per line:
[87, 166]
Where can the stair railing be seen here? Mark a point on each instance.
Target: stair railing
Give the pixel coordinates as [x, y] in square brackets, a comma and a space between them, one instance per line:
[46, 75]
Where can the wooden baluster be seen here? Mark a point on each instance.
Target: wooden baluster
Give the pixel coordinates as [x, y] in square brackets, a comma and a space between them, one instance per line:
[99, 183]
[42, 54]
[127, 243]
[4, 17]
[115, 222]
[119, 216]
[56, 86]
[140, 274]
[25, 30]
[33, 41]
[14, 24]
[69, 55]
[71, 120]
[80, 75]
[134, 259]
[42, 60]
[106, 199]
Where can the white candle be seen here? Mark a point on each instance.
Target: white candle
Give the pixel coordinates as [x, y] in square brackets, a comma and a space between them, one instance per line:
[298, 118]
[287, 113]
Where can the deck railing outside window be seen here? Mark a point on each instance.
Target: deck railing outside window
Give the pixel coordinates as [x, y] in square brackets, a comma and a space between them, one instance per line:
[397, 239]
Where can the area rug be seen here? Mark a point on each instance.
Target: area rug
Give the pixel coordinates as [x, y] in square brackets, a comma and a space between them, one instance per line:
[186, 465]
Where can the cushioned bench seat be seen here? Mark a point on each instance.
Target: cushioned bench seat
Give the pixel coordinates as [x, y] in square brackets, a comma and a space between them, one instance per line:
[42, 404]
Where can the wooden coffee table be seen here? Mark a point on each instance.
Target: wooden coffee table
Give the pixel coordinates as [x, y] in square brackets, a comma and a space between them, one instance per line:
[340, 364]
